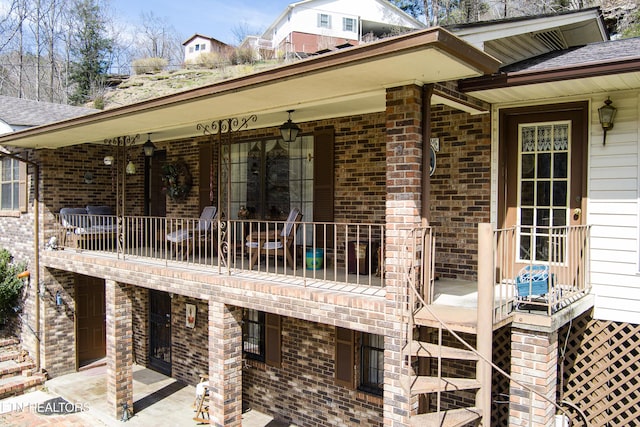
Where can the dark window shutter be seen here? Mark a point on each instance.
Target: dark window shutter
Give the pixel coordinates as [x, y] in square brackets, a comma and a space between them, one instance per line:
[23, 187]
[345, 357]
[323, 182]
[273, 354]
[206, 169]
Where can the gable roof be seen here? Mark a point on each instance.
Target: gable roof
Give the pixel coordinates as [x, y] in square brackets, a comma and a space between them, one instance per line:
[20, 112]
[515, 39]
[597, 67]
[196, 35]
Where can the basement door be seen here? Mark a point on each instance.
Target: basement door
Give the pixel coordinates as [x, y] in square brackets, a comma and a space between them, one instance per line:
[160, 331]
[91, 318]
[542, 158]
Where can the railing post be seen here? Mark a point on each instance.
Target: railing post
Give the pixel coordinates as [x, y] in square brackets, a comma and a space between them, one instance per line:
[485, 318]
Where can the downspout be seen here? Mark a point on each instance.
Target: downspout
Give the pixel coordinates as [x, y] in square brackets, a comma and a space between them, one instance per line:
[427, 93]
[36, 245]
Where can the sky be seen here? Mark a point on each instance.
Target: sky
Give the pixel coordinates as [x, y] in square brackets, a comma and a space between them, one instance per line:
[213, 18]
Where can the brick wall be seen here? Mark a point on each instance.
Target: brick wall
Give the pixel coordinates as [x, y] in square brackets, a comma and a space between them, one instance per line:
[189, 351]
[58, 326]
[140, 327]
[460, 189]
[303, 390]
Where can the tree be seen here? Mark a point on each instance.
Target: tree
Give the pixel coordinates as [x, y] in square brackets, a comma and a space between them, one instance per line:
[158, 39]
[10, 284]
[89, 52]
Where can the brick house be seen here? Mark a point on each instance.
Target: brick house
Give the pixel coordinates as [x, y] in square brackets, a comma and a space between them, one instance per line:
[358, 313]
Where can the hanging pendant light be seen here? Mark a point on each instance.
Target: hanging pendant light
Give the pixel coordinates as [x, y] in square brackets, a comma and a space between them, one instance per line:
[289, 130]
[131, 168]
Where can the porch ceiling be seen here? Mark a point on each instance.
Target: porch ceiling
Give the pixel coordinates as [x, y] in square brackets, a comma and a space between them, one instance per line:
[347, 82]
[562, 88]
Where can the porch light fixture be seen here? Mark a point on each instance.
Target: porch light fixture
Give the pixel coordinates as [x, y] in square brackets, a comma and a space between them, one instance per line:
[131, 168]
[289, 130]
[108, 160]
[148, 147]
[606, 113]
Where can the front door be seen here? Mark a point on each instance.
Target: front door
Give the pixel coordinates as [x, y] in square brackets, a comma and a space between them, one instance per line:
[160, 331]
[542, 158]
[90, 312]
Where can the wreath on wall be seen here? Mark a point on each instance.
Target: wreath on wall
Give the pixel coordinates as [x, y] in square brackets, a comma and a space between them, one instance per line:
[177, 180]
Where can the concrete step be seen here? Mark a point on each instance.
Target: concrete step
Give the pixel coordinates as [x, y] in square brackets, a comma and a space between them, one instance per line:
[451, 418]
[19, 384]
[10, 368]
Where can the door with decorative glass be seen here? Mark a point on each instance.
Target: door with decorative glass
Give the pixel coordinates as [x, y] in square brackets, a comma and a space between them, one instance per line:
[542, 163]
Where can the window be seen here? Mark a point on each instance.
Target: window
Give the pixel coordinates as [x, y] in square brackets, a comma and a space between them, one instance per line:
[12, 185]
[324, 20]
[543, 189]
[203, 46]
[253, 334]
[349, 24]
[190, 49]
[197, 47]
[372, 363]
[261, 337]
[269, 177]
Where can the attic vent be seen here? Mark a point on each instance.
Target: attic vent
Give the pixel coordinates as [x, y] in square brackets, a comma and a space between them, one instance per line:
[552, 39]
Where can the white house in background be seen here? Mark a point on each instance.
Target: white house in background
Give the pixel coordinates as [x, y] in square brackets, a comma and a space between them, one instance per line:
[310, 26]
[198, 44]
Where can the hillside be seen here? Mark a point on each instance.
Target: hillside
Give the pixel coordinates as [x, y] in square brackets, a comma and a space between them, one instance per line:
[139, 88]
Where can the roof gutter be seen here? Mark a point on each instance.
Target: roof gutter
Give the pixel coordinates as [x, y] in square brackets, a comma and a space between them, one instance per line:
[521, 78]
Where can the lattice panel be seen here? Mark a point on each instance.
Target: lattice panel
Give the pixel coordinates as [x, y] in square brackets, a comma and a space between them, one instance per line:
[599, 372]
[500, 383]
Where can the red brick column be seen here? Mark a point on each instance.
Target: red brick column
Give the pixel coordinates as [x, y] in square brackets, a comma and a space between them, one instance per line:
[225, 364]
[404, 195]
[534, 362]
[119, 348]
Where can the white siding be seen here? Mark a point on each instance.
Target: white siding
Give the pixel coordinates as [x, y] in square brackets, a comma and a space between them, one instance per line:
[304, 18]
[612, 209]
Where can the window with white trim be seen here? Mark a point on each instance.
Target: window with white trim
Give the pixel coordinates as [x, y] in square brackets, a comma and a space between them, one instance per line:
[349, 24]
[9, 184]
[324, 20]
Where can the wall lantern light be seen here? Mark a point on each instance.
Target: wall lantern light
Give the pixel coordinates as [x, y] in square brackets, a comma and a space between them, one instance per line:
[108, 160]
[606, 113]
[148, 147]
[289, 130]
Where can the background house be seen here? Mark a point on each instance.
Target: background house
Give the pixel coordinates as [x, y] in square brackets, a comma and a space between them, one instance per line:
[198, 44]
[310, 26]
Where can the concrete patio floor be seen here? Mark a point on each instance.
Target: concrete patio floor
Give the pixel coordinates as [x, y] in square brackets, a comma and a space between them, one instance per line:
[158, 400]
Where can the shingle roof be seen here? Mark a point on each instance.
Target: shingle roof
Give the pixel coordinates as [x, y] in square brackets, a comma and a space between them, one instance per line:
[612, 50]
[25, 112]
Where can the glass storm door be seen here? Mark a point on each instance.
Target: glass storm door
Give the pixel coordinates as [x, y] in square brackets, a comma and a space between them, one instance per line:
[543, 190]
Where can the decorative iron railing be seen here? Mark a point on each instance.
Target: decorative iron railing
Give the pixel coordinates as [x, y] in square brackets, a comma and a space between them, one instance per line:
[311, 251]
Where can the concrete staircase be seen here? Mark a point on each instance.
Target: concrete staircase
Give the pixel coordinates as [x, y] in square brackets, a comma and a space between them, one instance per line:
[17, 369]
